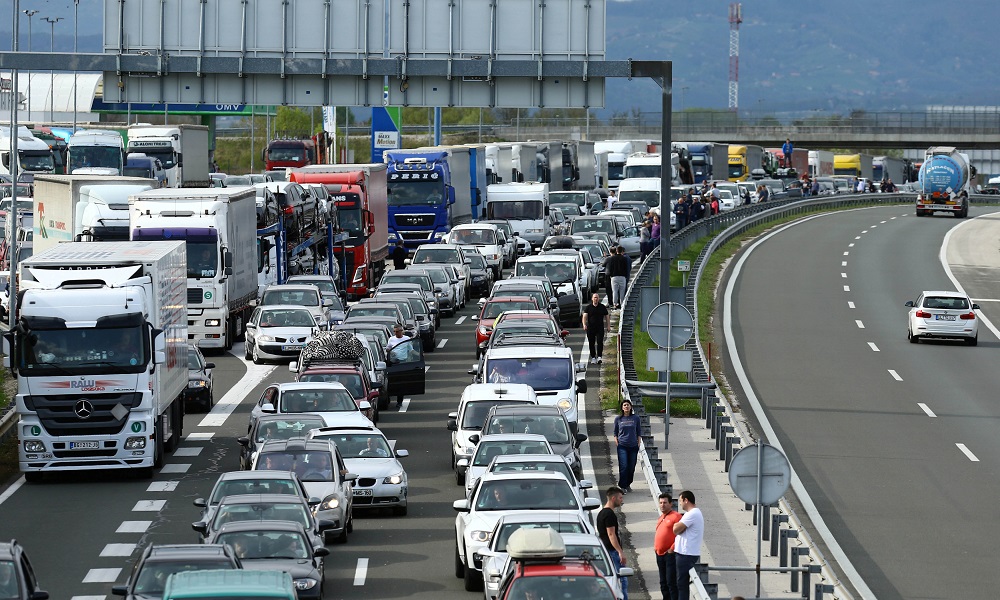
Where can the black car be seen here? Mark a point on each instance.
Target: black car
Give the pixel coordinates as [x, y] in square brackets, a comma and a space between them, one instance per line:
[16, 572]
[199, 388]
[275, 427]
[482, 275]
[149, 574]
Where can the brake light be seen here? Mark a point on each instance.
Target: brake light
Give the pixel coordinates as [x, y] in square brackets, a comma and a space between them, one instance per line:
[289, 210]
[923, 314]
[968, 316]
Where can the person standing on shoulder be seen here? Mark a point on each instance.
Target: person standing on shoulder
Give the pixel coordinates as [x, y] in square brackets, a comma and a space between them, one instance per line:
[618, 270]
[626, 431]
[663, 546]
[607, 530]
[398, 255]
[787, 149]
[690, 532]
[596, 322]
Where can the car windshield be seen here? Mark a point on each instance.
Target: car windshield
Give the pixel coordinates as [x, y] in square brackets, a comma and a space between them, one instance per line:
[542, 374]
[351, 381]
[557, 272]
[438, 276]
[591, 552]
[527, 494]
[946, 303]
[474, 236]
[435, 255]
[534, 326]
[283, 429]
[536, 466]
[194, 361]
[297, 297]
[287, 318]
[575, 198]
[152, 579]
[553, 427]
[605, 225]
[9, 590]
[476, 412]
[262, 511]
[489, 449]
[503, 536]
[23, 191]
[237, 180]
[555, 586]
[537, 294]
[478, 261]
[235, 487]
[309, 465]
[422, 280]
[317, 400]
[361, 445]
[254, 545]
[325, 285]
[360, 310]
[493, 309]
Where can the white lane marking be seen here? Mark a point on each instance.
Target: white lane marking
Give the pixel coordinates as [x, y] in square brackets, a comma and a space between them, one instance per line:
[860, 326]
[874, 226]
[926, 409]
[857, 237]
[850, 304]
[851, 245]
[10, 491]
[842, 276]
[162, 486]
[149, 506]
[175, 468]
[968, 453]
[133, 527]
[445, 341]
[458, 322]
[199, 436]
[843, 263]
[845, 254]
[892, 218]
[102, 575]
[986, 299]
[118, 549]
[864, 232]
[943, 257]
[225, 407]
[427, 368]
[405, 405]
[873, 347]
[194, 451]
[881, 222]
[895, 375]
[361, 573]
[847, 288]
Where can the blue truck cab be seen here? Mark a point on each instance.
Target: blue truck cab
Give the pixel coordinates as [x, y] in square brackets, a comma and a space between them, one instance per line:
[429, 193]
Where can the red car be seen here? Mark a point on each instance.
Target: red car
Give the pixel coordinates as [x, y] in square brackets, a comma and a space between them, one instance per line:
[492, 309]
[538, 569]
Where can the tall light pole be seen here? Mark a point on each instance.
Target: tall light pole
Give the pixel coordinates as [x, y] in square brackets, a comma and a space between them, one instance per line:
[52, 74]
[76, 20]
[30, 14]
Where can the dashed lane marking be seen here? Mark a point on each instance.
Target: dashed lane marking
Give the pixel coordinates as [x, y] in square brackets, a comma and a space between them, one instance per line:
[843, 275]
[847, 288]
[361, 573]
[133, 527]
[926, 409]
[461, 320]
[895, 375]
[968, 453]
[200, 436]
[102, 575]
[255, 374]
[873, 347]
[860, 324]
[193, 451]
[149, 506]
[118, 550]
[162, 486]
[405, 405]
[850, 304]
[442, 343]
[175, 468]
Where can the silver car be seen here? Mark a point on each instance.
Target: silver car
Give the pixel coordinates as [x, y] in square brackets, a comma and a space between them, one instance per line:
[382, 481]
[939, 314]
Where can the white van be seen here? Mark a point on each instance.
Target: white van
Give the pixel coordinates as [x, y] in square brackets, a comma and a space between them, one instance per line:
[475, 404]
[525, 206]
[482, 237]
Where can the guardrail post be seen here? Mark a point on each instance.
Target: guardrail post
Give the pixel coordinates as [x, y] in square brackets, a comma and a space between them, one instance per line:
[821, 588]
[807, 577]
[729, 450]
[702, 570]
[776, 522]
[796, 553]
[783, 552]
[655, 464]
[710, 416]
[765, 533]
[720, 418]
[722, 441]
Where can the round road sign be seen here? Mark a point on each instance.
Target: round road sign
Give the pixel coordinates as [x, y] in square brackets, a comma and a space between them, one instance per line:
[670, 325]
[775, 474]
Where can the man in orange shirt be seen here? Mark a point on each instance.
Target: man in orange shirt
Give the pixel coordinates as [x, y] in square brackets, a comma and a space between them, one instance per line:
[663, 545]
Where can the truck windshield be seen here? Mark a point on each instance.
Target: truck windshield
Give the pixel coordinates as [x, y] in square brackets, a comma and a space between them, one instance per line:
[280, 153]
[37, 160]
[735, 171]
[89, 350]
[649, 197]
[615, 171]
[138, 172]
[589, 225]
[166, 156]
[350, 221]
[95, 156]
[577, 198]
[642, 171]
[416, 193]
[517, 210]
[202, 259]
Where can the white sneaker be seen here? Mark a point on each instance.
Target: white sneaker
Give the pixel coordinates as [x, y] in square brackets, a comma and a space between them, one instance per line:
[593, 360]
[600, 361]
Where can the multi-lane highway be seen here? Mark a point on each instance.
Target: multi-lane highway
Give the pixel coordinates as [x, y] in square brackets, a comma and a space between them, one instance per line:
[895, 442]
[83, 530]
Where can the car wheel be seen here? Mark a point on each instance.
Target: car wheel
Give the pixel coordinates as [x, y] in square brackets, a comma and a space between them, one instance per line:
[459, 477]
[209, 402]
[399, 511]
[256, 356]
[913, 339]
[327, 538]
[972, 341]
[36, 477]
[459, 565]
[342, 538]
[246, 350]
[473, 580]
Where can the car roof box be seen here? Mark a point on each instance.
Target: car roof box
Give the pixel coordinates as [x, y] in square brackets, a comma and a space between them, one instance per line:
[542, 543]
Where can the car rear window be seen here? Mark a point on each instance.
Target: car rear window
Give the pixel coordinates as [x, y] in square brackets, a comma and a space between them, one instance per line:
[946, 303]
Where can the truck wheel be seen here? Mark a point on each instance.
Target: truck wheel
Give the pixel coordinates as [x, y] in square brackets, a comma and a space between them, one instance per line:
[171, 444]
[158, 447]
[33, 476]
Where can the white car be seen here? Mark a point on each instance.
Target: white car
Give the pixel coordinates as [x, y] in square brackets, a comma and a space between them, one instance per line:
[300, 294]
[475, 404]
[489, 447]
[500, 494]
[940, 314]
[382, 481]
[726, 200]
[329, 400]
[278, 332]
[483, 238]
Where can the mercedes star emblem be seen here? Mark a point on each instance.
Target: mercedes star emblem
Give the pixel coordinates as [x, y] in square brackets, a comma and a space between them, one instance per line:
[83, 409]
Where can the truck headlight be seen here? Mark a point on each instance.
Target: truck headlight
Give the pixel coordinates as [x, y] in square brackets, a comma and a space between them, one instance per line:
[306, 583]
[480, 536]
[197, 383]
[212, 322]
[330, 503]
[135, 443]
[392, 236]
[438, 236]
[565, 404]
[394, 479]
[34, 446]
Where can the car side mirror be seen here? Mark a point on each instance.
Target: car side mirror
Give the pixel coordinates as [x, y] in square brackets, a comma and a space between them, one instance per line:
[380, 365]
[462, 463]
[209, 365]
[580, 438]
[293, 366]
[581, 367]
[564, 334]
[975, 307]
[585, 484]
[909, 303]
[402, 453]
[452, 425]
[626, 572]
[200, 503]
[242, 441]
[474, 438]
[591, 504]
[201, 527]
[461, 505]
[320, 552]
[119, 590]
[268, 408]
[325, 524]
[475, 317]
[364, 405]
[351, 476]
[581, 386]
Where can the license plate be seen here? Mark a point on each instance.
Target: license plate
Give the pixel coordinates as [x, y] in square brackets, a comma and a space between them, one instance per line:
[84, 445]
[292, 347]
[362, 492]
[944, 317]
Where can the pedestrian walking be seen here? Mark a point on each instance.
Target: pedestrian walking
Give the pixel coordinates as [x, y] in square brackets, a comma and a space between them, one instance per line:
[690, 532]
[607, 530]
[596, 322]
[612, 198]
[618, 271]
[398, 255]
[626, 432]
[663, 546]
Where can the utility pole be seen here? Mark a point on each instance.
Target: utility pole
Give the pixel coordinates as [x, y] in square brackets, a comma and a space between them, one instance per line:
[76, 21]
[735, 18]
[30, 14]
[52, 74]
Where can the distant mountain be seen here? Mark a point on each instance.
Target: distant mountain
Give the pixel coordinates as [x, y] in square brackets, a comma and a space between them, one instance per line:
[794, 56]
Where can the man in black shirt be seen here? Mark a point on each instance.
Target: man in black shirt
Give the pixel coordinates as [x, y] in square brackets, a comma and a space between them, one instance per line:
[399, 255]
[607, 530]
[617, 270]
[596, 321]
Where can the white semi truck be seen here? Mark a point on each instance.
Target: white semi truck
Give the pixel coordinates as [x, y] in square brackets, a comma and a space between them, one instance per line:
[100, 351]
[34, 154]
[96, 152]
[525, 206]
[82, 208]
[219, 226]
[182, 149]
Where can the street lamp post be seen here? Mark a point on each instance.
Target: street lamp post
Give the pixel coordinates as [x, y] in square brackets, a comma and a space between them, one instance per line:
[52, 74]
[30, 14]
[76, 20]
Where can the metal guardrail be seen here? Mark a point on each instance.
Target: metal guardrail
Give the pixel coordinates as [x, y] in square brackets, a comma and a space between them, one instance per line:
[725, 429]
[7, 422]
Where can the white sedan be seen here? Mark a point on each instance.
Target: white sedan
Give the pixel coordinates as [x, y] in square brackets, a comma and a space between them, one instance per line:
[278, 332]
[939, 314]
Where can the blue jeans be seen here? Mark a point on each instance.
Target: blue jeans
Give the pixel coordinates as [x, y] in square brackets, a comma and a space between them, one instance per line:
[667, 565]
[616, 560]
[627, 459]
[684, 564]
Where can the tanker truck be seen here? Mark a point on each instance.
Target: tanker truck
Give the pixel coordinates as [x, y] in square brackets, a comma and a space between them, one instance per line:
[943, 182]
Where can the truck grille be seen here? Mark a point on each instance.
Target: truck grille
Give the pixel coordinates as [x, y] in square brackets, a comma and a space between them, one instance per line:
[419, 220]
[194, 295]
[61, 415]
[415, 235]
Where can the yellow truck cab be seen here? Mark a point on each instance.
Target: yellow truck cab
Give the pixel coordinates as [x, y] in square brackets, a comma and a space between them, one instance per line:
[229, 584]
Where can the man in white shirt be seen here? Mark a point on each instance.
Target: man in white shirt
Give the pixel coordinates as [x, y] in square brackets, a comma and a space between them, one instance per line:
[690, 532]
[394, 341]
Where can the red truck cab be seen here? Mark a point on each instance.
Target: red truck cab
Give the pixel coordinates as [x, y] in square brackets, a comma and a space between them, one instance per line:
[284, 153]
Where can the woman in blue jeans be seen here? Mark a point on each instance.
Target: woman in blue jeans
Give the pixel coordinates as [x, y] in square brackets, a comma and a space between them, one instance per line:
[626, 434]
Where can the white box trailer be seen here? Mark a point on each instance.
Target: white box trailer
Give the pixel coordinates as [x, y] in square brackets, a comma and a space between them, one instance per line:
[100, 350]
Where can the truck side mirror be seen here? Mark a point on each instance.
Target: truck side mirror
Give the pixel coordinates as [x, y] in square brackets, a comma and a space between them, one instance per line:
[451, 195]
[180, 160]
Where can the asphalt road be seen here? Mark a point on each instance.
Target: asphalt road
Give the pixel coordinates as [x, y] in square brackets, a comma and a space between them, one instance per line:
[896, 443]
[82, 530]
